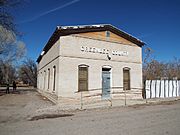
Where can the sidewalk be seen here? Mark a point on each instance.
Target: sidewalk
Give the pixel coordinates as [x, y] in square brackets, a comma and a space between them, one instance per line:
[77, 106]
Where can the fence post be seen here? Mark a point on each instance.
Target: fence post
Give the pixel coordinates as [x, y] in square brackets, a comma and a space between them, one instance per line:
[125, 95]
[176, 88]
[81, 101]
[150, 88]
[179, 88]
[146, 96]
[160, 89]
[144, 89]
[172, 88]
[168, 87]
[164, 88]
[155, 88]
[146, 101]
[111, 98]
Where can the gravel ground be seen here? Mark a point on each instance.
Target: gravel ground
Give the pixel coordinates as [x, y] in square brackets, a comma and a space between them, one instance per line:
[17, 111]
[21, 104]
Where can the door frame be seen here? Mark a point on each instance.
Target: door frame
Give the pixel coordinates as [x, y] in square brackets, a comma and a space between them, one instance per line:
[110, 71]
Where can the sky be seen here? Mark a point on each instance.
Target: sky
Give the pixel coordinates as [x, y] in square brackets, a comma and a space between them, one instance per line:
[155, 22]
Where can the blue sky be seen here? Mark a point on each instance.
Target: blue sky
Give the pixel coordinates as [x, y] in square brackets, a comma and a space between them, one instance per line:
[156, 22]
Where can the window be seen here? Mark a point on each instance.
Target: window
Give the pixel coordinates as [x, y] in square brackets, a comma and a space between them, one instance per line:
[126, 78]
[44, 79]
[54, 78]
[38, 80]
[48, 77]
[107, 33]
[83, 78]
[41, 84]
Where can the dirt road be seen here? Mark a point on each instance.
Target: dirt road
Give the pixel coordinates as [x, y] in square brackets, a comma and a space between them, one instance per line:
[163, 119]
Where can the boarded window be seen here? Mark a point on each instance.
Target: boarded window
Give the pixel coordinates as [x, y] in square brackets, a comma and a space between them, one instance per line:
[54, 82]
[126, 78]
[83, 78]
[41, 85]
[48, 77]
[44, 79]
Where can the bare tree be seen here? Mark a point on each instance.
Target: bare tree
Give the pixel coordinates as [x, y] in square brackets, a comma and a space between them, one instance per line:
[147, 58]
[7, 72]
[6, 18]
[28, 72]
[173, 69]
[10, 47]
[162, 70]
[154, 70]
[148, 54]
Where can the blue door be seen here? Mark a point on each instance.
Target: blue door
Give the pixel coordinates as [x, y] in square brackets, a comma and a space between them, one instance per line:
[106, 84]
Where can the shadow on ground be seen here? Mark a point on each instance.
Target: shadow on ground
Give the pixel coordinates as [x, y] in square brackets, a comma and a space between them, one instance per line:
[49, 116]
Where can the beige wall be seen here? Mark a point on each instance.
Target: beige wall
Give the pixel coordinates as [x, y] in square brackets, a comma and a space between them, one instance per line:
[50, 55]
[69, 74]
[71, 56]
[71, 47]
[48, 61]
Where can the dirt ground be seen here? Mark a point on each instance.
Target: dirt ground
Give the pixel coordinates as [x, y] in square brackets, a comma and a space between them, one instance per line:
[17, 111]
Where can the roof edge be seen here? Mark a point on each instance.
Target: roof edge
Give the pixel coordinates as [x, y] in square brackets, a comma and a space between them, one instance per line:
[59, 29]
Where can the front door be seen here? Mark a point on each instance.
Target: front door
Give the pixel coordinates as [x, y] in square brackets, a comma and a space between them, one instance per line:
[106, 79]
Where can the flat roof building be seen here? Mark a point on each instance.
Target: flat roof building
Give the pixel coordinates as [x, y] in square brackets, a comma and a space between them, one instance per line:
[94, 59]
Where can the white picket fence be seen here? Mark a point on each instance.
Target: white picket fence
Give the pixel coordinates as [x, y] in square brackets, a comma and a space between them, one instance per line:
[162, 88]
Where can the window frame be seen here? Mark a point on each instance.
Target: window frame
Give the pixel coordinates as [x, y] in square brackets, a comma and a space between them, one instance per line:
[129, 78]
[54, 78]
[86, 80]
[48, 78]
[108, 33]
[44, 79]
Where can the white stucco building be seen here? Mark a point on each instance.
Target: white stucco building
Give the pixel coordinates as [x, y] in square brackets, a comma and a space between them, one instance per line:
[98, 59]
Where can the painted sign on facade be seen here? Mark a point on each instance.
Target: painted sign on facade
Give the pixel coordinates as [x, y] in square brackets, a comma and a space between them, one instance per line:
[103, 51]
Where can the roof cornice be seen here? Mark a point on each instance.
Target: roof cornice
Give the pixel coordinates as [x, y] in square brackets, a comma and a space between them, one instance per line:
[68, 30]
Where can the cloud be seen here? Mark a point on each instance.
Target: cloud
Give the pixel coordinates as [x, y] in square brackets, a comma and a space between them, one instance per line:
[50, 11]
